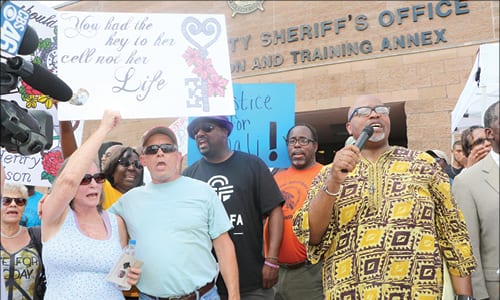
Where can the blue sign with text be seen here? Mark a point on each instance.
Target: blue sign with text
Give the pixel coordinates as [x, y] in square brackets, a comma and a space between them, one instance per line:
[264, 114]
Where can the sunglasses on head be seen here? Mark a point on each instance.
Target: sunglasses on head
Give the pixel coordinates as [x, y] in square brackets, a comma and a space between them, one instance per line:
[126, 163]
[98, 177]
[206, 127]
[165, 148]
[8, 201]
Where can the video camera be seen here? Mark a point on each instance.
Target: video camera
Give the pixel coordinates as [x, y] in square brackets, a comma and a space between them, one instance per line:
[24, 131]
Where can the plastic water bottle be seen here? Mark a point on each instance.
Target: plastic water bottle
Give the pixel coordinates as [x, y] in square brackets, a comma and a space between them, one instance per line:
[128, 252]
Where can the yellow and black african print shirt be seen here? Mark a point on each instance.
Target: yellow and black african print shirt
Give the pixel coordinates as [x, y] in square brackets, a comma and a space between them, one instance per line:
[391, 225]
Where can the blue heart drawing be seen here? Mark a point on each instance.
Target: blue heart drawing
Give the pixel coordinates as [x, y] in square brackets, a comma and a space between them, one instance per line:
[192, 28]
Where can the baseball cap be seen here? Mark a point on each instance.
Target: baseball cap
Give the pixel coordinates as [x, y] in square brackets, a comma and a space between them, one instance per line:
[438, 153]
[222, 121]
[158, 130]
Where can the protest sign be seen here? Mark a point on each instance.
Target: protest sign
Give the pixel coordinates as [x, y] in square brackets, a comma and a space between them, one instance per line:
[264, 114]
[145, 65]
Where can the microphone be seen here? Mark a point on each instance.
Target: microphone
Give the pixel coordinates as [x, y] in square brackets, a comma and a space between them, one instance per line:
[362, 139]
[17, 35]
[29, 43]
[40, 78]
[364, 136]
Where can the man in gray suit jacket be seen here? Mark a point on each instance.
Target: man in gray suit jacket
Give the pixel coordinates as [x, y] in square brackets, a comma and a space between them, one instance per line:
[476, 192]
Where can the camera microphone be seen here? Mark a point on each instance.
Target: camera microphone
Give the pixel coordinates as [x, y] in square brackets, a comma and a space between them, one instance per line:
[17, 36]
[40, 78]
[29, 43]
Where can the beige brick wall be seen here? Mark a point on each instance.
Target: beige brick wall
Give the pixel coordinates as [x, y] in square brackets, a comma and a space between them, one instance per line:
[428, 78]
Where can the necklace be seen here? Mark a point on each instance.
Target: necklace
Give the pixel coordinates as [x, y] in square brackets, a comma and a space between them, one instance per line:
[12, 236]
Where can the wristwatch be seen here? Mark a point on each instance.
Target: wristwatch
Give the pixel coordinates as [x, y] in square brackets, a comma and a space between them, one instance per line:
[463, 297]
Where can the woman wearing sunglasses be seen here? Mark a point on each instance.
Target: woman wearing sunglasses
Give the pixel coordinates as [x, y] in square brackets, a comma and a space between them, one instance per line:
[123, 172]
[475, 144]
[19, 247]
[81, 241]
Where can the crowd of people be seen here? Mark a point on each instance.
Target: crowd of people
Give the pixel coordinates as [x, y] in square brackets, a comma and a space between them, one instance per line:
[380, 222]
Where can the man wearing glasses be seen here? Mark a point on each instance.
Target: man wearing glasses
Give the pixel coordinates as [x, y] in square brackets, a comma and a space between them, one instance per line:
[382, 217]
[476, 190]
[176, 221]
[298, 278]
[249, 193]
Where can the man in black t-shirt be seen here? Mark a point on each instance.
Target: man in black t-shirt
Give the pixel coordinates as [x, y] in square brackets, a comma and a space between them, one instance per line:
[249, 193]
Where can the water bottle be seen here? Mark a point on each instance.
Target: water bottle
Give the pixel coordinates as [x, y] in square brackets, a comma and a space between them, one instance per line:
[128, 252]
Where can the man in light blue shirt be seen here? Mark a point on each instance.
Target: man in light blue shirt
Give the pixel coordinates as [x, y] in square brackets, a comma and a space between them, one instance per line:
[30, 216]
[176, 221]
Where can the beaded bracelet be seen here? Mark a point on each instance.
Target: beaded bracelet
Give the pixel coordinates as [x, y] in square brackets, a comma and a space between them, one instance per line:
[271, 265]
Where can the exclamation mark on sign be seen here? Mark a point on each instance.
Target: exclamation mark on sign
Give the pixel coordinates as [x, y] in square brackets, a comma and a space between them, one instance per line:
[272, 141]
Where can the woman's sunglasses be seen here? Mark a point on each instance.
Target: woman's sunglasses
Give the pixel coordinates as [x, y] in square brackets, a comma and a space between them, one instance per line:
[98, 177]
[165, 148]
[8, 200]
[126, 163]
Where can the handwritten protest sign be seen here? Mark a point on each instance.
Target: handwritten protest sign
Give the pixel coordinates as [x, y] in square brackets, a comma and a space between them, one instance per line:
[264, 114]
[145, 65]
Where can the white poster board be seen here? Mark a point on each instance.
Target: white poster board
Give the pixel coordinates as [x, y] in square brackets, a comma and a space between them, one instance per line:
[145, 65]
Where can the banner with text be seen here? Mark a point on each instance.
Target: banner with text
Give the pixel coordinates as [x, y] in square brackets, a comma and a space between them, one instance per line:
[145, 65]
[264, 114]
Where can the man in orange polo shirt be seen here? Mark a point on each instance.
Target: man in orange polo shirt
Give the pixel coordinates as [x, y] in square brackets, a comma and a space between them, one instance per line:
[298, 279]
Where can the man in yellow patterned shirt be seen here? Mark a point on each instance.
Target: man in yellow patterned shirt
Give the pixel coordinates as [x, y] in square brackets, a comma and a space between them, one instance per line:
[383, 218]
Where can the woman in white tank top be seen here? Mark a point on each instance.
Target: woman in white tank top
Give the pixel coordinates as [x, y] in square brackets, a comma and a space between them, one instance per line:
[81, 242]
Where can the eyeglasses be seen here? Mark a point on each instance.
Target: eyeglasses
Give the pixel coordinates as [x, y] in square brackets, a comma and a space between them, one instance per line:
[126, 163]
[206, 127]
[165, 148]
[303, 141]
[8, 200]
[365, 111]
[98, 177]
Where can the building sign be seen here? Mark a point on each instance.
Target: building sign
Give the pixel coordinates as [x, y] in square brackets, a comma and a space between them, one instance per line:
[353, 36]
